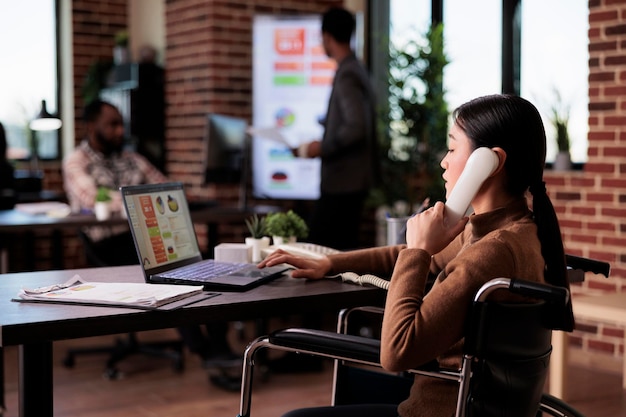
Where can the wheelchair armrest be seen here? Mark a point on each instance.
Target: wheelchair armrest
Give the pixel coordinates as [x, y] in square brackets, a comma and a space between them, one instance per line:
[547, 292]
[329, 344]
[357, 349]
[588, 265]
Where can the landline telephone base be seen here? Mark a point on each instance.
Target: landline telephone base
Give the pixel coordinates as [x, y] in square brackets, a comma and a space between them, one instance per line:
[304, 249]
[314, 251]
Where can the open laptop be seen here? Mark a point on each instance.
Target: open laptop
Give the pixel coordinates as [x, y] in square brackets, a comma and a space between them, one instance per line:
[167, 246]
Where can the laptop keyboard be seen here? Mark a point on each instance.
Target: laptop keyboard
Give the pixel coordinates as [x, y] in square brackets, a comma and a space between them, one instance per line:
[204, 271]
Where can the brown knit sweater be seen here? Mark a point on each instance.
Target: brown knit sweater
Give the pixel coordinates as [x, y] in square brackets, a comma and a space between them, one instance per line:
[419, 327]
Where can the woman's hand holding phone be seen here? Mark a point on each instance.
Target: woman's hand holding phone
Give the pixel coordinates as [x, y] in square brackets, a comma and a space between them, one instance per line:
[430, 232]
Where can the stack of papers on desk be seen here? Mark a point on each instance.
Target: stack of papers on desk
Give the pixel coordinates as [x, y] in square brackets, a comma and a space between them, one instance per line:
[48, 208]
[122, 294]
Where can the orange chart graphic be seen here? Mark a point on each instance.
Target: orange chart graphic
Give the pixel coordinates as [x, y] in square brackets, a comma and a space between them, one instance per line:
[289, 41]
[156, 241]
[288, 66]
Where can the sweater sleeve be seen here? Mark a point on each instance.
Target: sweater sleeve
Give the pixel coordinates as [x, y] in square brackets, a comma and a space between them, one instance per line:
[378, 261]
[419, 327]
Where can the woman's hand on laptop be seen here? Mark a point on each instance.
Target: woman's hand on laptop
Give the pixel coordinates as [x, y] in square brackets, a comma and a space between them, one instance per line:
[304, 267]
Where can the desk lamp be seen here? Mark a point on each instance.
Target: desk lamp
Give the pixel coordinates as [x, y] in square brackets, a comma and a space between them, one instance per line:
[44, 121]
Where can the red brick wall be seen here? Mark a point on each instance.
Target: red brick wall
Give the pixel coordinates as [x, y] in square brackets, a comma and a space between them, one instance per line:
[591, 204]
[95, 24]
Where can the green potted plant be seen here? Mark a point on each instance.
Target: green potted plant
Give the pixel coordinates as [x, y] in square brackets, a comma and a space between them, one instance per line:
[286, 227]
[413, 131]
[258, 239]
[102, 206]
[414, 128]
[121, 38]
[256, 226]
[103, 194]
[96, 79]
[559, 118]
[121, 54]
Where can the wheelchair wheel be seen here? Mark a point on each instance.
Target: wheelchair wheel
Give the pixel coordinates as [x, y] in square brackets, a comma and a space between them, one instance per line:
[552, 406]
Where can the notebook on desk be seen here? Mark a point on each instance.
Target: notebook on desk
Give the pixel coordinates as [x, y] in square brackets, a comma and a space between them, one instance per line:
[167, 246]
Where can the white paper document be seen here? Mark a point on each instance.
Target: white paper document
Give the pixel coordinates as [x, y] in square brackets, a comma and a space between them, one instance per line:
[124, 294]
[270, 133]
[48, 208]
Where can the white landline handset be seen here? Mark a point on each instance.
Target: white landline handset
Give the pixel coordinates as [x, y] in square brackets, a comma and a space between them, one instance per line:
[479, 166]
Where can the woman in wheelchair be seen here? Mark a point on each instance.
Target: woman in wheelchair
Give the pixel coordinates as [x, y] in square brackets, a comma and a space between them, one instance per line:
[502, 238]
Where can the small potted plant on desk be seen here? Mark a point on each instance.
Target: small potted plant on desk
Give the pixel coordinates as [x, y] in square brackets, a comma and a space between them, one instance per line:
[102, 206]
[258, 239]
[285, 227]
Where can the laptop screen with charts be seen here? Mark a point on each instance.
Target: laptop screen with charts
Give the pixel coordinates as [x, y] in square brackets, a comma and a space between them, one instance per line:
[167, 246]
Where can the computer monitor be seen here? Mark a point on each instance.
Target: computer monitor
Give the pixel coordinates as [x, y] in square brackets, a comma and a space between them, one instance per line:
[226, 148]
[226, 152]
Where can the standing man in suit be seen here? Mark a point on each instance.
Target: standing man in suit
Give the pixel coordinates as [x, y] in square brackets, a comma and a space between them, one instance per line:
[348, 146]
[348, 157]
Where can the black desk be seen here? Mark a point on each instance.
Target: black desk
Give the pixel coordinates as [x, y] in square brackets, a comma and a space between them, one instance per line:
[33, 327]
[14, 221]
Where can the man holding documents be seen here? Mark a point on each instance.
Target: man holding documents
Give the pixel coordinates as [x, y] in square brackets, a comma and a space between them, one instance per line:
[347, 149]
[348, 146]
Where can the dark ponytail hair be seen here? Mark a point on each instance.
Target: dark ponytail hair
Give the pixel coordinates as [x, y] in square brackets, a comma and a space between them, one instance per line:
[514, 124]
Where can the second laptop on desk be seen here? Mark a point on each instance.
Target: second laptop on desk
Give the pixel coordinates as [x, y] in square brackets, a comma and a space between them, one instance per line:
[167, 246]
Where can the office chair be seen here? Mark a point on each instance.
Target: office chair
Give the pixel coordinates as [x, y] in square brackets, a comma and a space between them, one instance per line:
[124, 347]
[505, 360]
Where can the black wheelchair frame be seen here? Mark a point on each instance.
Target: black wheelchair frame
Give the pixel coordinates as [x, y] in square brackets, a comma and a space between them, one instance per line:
[485, 348]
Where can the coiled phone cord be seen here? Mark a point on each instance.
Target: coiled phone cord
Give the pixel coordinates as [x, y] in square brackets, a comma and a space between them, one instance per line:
[364, 279]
